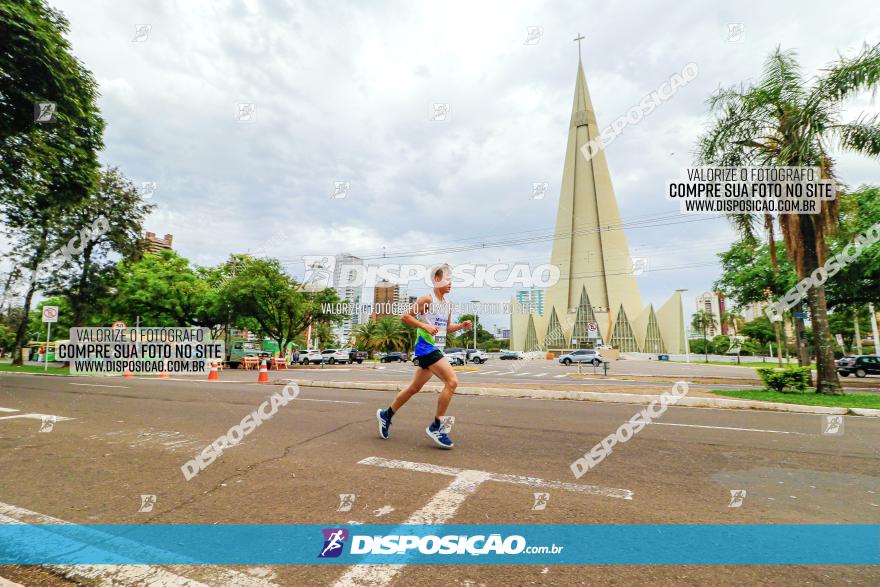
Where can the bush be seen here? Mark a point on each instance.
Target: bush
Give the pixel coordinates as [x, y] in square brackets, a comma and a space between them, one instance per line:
[792, 377]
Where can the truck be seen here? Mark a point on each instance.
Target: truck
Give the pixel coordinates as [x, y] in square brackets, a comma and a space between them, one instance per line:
[238, 349]
[356, 356]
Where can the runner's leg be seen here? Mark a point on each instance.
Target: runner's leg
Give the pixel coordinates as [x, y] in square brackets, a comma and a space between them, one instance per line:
[443, 370]
[419, 379]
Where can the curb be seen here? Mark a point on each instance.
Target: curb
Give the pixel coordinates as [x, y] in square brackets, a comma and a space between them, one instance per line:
[618, 398]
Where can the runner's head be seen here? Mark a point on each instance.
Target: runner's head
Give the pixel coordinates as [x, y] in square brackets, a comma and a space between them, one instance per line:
[441, 278]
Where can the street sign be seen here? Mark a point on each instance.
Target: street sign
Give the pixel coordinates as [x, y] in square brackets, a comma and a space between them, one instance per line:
[119, 325]
[800, 315]
[839, 339]
[592, 329]
[574, 342]
[50, 313]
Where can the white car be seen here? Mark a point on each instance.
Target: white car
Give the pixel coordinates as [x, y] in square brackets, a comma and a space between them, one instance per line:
[455, 356]
[478, 356]
[582, 356]
[310, 357]
[333, 356]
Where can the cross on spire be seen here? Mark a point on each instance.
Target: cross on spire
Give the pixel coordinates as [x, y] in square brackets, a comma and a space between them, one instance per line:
[579, 38]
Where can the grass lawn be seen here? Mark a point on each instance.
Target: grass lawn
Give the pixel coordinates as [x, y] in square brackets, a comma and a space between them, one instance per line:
[752, 364]
[7, 366]
[808, 398]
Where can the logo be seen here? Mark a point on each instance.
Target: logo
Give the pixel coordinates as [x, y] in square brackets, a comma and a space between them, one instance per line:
[534, 34]
[639, 265]
[540, 189]
[44, 112]
[334, 541]
[340, 189]
[141, 32]
[832, 425]
[147, 503]
[47, 423]
[737, 497]
[541, 500]
[439, 112]
[346, 500]
[245, 112]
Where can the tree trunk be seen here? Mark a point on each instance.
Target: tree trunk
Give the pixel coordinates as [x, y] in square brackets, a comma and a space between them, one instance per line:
[826, 369]
[21, 331]
[827, 380]
[777, 328]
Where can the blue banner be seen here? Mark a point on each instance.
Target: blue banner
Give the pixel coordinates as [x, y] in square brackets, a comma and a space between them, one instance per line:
[605, 544]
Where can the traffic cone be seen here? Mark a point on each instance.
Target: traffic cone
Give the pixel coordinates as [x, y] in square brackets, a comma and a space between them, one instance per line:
[264, 373]
[127, 374]
[164, 374]
[213, 375]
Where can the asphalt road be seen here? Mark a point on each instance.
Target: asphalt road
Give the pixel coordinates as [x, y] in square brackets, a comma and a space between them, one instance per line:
[128, 437]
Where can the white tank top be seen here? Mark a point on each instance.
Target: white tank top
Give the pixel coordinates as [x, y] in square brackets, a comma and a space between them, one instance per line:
[436, 314]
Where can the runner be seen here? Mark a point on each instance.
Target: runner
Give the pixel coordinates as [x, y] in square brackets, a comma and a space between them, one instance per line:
[431, 316]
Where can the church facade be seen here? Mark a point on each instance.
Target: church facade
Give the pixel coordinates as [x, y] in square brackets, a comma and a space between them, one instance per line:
[596, 300]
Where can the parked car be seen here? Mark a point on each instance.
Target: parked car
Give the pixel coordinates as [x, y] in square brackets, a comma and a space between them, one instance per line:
[510, 356]
[310, 357]
[477, 356]
[394, 357]
[860, 366]
[356, 356]
[455, 355]
[333, 356]
[582, 356]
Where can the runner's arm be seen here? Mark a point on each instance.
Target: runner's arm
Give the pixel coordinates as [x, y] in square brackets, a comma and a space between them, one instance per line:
[409, 318]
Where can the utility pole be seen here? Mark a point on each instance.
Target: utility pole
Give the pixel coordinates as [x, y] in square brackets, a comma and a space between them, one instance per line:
[874, 329]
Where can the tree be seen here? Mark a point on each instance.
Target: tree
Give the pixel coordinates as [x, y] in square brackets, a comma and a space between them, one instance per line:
[391, 334]
[262, 291]
[760, 330]
[85, 278]
[48, 165]
[784, 120]
[702, 322]
[164, 291]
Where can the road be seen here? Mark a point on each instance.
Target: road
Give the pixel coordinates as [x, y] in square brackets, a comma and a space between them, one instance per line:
[128, 437]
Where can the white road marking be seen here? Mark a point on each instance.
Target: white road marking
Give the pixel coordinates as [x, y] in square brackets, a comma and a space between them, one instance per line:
[333, 401]
[558, 376]
[522, 373]
[487, 372]
[540, 374]
[98, 385]
[132, 574]
[8, 410]
[443, 505]
[37, 417]
[729, 428]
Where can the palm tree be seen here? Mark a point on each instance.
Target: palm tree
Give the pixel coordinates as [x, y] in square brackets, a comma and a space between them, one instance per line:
[731, 319]
[365, 336]
[786, 120]
[391, 334]
[702, 322]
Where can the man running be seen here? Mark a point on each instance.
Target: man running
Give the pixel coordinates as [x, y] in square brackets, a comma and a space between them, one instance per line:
[431, 316]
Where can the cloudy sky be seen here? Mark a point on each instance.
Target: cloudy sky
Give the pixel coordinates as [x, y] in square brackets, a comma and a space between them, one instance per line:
[344, 91]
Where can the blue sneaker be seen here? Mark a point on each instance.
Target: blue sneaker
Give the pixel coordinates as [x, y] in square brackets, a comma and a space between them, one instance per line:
[384, 423]
[439, 436]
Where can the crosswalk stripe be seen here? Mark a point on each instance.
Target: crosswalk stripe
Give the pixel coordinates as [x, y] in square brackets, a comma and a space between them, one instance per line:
[540, 374]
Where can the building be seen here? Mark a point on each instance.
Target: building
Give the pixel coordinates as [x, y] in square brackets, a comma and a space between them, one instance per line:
[753, 310]
[531, 298]
[713, 303]
[596, 299]
[346, 282]
[385, 295]
[154, 244]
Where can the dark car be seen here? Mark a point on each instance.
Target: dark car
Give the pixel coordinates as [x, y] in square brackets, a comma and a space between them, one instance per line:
[356, 356]
[860, 366]
[510, 356]
[394, 357]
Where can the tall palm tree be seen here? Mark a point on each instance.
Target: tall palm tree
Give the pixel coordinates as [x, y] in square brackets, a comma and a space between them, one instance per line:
[786, 120]
[702, 322]
[390, 334]
[365, 336]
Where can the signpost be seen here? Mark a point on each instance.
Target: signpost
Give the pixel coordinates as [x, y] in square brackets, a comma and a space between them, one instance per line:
[592, 329]
[50, 315]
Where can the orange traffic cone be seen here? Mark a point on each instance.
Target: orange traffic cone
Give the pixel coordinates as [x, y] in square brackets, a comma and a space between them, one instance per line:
[127, 374]
[213, 375]
[164, 374]
[264, 373]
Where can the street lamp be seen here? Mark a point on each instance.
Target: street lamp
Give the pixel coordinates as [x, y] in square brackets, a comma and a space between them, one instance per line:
[476, 321]
[687, 347]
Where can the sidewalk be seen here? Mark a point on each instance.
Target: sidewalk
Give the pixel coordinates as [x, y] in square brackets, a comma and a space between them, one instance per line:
[695, 398]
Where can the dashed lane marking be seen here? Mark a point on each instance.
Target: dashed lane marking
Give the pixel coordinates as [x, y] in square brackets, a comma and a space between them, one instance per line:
[729, 428]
